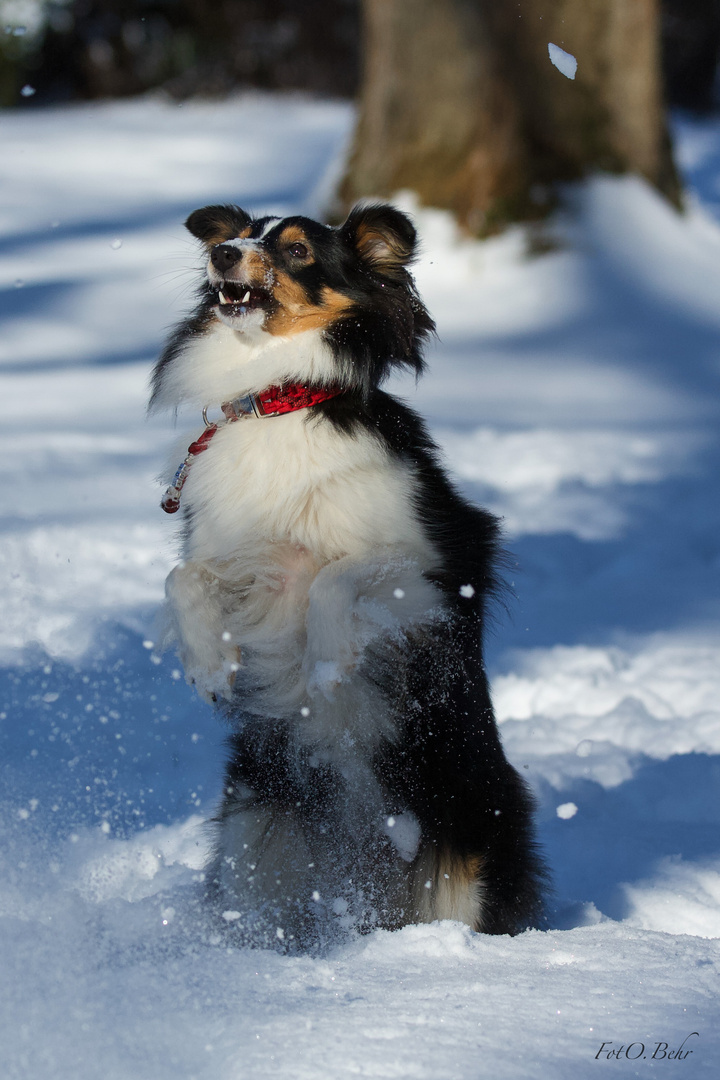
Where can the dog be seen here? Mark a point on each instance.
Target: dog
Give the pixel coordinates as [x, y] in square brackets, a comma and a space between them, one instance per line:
[333, 595]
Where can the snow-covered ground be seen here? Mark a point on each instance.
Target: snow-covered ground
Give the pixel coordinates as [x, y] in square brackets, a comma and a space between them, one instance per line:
[575, 392]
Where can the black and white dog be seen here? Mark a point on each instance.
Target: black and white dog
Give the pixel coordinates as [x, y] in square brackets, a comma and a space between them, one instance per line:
[332, 595]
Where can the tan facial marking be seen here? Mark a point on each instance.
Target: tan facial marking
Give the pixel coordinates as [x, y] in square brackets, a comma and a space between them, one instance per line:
[296, 313]
[293, 234]
[254, 269]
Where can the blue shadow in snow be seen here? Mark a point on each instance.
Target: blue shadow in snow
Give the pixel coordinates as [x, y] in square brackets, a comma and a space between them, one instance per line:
[30, 299]
[116, 738]
[147, 354]
[155, 215]
[619, 835]
[661, 572]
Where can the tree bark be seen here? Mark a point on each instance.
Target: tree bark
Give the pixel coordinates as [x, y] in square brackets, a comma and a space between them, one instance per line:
[461, 104]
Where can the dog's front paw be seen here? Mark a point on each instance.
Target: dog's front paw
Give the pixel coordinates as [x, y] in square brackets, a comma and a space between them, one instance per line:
[211, 664]
[213, 678]
[325, 676]
[209, 655]
[334, 631]
[332, 654]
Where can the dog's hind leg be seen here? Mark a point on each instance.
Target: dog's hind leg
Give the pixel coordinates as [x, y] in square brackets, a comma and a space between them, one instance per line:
[448, 886]
[261, 872]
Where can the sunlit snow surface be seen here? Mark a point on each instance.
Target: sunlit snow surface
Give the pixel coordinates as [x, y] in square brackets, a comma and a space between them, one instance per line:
[576, 393]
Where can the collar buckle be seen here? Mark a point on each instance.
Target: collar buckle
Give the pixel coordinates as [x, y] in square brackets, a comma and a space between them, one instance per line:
[250, 405]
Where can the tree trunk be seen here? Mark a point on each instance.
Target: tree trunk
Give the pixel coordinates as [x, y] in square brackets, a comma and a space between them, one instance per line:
[461, 104]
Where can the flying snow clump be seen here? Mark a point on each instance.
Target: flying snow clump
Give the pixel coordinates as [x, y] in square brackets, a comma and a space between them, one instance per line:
[565, 62]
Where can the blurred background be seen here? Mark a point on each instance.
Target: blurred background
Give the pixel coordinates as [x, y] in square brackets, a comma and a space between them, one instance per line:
[457, 100]
[86, 49]
[574, 390]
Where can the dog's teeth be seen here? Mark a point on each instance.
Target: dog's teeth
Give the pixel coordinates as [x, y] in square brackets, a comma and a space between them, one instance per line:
[246, 297]
[221, 297]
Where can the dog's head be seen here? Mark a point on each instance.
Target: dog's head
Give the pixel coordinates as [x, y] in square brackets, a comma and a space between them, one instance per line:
[292, 274]
[274, 280]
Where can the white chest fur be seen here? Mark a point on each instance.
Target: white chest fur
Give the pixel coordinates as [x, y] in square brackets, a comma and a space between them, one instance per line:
[294, 479]
[304, 546]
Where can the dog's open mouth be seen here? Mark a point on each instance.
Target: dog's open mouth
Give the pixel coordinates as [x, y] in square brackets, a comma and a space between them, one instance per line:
[236, 299]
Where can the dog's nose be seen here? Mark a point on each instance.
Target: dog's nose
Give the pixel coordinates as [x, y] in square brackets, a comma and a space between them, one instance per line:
[224, 256]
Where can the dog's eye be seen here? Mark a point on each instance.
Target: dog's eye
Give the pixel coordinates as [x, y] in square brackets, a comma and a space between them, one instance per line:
[298, 251]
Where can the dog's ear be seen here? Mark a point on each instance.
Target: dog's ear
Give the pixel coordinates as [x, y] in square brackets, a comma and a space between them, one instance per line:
[216, 224]
[383, 238]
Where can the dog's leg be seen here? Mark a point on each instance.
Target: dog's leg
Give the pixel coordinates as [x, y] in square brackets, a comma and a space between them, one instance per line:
[353, 602]
[448, 886]
[477, 860]
[263, 870]
[195, 617]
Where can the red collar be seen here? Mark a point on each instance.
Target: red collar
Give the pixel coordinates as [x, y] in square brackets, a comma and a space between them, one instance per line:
[279, 399]
[274, 401]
